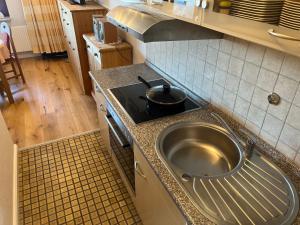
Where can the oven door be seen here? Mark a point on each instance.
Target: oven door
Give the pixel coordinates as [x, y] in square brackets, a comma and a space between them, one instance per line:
[122, 153]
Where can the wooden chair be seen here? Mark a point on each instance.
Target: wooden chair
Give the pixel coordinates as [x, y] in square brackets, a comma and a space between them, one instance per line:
[12, 60]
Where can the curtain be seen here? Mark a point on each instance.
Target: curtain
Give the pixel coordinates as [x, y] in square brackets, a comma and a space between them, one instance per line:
[44, 26]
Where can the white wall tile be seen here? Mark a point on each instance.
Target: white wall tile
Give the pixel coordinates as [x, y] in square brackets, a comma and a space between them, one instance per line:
[239, 48]
[297, 98]
[260, 98]
[212, 56]
[255, 54]
[290, 136]
[235, 66]
[237, 76]
[256, 115]
[286, 88]
[272, 126]
[220, 77]
[229, 99]
[232, 83]
[280, 111]
[250, 72]
[223, 61]
[241, 107]
[266, 79]
[209, 71]
[226, 44]
[291, 67]
[246, 90]
[286, 150]
[293, 118]
[273, 60]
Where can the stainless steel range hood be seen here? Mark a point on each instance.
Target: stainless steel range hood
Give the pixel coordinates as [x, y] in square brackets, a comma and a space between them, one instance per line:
[149, 25]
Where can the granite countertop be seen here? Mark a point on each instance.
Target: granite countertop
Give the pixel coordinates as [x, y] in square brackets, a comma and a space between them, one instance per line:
[145, 135]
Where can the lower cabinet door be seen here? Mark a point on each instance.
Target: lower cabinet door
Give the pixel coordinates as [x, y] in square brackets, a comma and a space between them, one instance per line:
[153, 202]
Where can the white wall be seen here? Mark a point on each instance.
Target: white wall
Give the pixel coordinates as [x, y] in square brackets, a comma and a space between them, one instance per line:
[6, 175]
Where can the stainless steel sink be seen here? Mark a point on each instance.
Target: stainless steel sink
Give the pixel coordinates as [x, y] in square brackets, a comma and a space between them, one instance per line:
[226, 186]
[198, 149]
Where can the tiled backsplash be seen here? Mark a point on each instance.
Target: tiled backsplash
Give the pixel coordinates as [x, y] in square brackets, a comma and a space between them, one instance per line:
[237, 76]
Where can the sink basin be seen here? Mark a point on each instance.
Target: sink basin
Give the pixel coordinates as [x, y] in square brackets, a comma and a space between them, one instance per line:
[199, 150]
[223, 184]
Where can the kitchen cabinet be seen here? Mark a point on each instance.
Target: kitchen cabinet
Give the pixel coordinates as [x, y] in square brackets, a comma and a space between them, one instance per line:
[250, 30]
[77, 20]
[153, 202]
[104, 56]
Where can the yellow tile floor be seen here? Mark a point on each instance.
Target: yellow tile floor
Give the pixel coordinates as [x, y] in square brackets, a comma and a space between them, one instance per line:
[72, 181]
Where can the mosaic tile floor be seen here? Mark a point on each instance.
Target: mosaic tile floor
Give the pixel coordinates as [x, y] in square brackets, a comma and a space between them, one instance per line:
[72, 181]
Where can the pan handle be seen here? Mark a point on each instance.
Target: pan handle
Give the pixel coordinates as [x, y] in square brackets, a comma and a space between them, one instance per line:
[144, 81]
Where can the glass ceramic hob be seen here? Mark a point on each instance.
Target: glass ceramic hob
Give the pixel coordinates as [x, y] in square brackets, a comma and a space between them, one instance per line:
[132, 99]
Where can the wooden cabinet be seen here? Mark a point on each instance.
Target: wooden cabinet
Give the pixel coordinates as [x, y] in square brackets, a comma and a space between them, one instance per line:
[77, 20]
[250, 30]
[103, 56]
[153, 202]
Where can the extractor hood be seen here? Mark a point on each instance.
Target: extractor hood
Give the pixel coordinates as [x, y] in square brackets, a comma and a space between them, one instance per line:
[149, 25]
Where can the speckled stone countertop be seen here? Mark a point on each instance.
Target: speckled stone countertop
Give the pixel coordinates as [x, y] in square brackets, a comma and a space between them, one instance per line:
[145, 135]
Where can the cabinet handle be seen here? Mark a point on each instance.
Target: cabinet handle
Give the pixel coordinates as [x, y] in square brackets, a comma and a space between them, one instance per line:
[96, 54]
[98, 89]
[282, 36]
[68, 24]
[88, 46]
[73, 49]
[138, 169]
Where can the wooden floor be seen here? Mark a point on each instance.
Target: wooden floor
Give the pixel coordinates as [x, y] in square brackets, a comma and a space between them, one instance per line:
[51, 105]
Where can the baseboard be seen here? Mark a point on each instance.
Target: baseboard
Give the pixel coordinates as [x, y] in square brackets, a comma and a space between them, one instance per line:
[15, 186]
[24, 55]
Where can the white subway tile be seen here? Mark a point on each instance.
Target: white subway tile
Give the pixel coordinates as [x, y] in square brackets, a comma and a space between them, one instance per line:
[217, 94]
[250, 72]
[290, 136]
[197, 85]
[286, 88]
[260, 98]
[273, 60]
[293, 118]
[256, 116]
[280, 111]
[291, 67]
[209, 71]
[220, 77]
[212, 56]
[232, 83]
[241, 106]
[255, 54]
[272, 126]
[266, 79]
[246, 90]
[235, 66]
[199, 68]
[286, 150]
[189, 77]
[181, 72]
[207, 87]
[239, 48]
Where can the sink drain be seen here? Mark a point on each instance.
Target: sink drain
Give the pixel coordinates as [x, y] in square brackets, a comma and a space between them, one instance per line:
[186, 177]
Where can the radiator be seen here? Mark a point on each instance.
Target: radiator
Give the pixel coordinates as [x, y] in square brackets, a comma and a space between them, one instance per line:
[21, 38]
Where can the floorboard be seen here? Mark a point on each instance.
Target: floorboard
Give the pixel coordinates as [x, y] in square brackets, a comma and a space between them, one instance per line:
[50, 105]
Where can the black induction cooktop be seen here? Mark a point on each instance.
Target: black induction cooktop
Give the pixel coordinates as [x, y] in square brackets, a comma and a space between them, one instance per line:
[137, 107]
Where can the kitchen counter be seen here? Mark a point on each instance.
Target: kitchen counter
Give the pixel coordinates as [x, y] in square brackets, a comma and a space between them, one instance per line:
[145, 135]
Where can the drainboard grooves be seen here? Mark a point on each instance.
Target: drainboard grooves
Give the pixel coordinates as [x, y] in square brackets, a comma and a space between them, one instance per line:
[235, 202]
[263, 185]
[266, 180]
[253, 197]
[261, 194]
[264, 171]
[245, 200]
